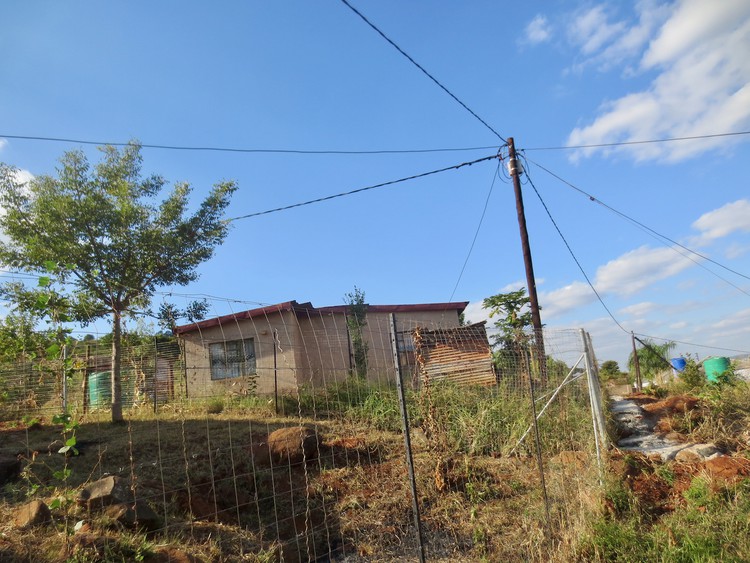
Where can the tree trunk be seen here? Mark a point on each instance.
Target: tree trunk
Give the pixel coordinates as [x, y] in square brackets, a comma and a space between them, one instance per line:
[116, 361]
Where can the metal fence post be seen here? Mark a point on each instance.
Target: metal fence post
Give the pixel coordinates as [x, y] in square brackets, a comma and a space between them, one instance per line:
[407, 438]
[594, 401]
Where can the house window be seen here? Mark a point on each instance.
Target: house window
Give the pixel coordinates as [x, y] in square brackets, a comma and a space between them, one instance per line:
[232, 359]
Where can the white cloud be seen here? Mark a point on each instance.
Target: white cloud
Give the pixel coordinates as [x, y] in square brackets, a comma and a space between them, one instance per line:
[728, 219]
[538, 30]
[638, 269]
[590, 29]
[3, 143]
[640, 309]
[475, 313]
[23, 176]
[515, 286]
[568, 298]
[702, 82]
[735, 250]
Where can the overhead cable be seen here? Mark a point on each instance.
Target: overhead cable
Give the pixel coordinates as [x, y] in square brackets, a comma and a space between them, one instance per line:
[359, 190]
[642, 142]
[206, 148]
[476, 233]
[647, 228]
[242, 150]
[420, 67]
[693, 344]
[575, 258]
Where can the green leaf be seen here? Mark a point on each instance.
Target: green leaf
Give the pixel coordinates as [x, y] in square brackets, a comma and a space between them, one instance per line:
[53, 351]
[71, 441]
[62, 474]
[55, 504]
[50, 266]
[44, 281]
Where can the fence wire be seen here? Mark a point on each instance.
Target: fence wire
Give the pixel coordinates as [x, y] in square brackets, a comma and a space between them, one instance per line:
[277, 433]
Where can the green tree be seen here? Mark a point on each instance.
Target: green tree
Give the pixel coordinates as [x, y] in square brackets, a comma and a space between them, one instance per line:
[610, 370]
[652, 358]
[356, 320]
[116, 243]
[513, 323]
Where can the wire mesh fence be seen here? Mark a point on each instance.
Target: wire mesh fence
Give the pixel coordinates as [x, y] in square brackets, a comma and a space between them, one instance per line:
[261, 435]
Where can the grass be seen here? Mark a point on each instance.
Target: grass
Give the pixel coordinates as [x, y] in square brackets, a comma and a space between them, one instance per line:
[199, 464]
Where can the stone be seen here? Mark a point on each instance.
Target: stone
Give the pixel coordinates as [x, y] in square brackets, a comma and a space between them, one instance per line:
[696, 453]
[34, 513]
[293, 444]
[137, 515]
[104, 492]
[10, 469]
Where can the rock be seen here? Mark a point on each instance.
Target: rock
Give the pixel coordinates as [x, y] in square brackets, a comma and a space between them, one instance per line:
[104, 492]
[138, 515]
[34, 513]
[10, 469]
[293, 445]
[696, 453]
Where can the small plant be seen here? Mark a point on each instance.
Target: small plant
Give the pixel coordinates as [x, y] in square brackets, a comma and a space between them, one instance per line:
[699, 493]
[69, 433]
[215, 406]
[666, 474]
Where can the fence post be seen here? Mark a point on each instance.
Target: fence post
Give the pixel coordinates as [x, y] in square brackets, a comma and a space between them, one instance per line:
[407, 438]
[597, 416]
[275, 371]
[64, 379]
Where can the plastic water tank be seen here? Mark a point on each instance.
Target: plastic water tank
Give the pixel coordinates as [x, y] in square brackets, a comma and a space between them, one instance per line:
[715, 366]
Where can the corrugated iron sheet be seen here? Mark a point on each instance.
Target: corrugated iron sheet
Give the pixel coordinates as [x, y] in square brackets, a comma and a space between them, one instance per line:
[461, 355]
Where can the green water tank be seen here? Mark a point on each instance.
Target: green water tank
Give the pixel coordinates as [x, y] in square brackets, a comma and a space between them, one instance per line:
[100, 389]
[714, 367]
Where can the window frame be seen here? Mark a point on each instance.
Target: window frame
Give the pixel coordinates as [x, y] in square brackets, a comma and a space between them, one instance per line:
[231, 359]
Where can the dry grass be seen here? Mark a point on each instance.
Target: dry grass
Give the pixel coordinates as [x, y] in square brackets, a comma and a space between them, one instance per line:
[219, 501]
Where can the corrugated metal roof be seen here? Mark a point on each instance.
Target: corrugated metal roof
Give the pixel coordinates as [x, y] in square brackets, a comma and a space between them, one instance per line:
[461, 355]
[306, 309]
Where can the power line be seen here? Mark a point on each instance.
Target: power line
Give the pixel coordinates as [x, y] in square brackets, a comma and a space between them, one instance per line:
[636, 222]
[642, 142]
[693, 344]
[420, 67]
[207, 148]
[243, 150]
[575, 258]
[476, 234]
[359, 190]
[598, 296]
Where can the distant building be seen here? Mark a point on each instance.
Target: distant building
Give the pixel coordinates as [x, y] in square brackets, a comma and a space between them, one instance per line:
[291, 344]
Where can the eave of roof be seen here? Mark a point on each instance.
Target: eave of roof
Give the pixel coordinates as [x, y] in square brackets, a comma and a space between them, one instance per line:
[305, 309]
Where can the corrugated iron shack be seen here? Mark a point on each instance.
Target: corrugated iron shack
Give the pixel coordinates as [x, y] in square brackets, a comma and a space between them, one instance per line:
[461, 355]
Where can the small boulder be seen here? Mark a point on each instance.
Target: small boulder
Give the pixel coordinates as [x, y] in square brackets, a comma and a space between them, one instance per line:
[34, 513]
[104, 492]
[293, 445]
[137, 515]
[696, 453]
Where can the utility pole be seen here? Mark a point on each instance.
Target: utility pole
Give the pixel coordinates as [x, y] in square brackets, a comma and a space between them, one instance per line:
[536, 319]
[637, 364]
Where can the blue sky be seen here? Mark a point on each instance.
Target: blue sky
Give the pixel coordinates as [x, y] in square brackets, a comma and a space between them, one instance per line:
[313, 76]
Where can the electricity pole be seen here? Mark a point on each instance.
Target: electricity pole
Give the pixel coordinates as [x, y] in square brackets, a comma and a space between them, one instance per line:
[536, 319]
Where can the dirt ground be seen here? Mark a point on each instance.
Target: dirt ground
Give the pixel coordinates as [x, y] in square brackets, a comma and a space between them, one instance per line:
[659, 486]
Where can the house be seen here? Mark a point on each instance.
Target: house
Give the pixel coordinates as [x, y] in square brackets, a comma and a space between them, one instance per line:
[282, 346]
